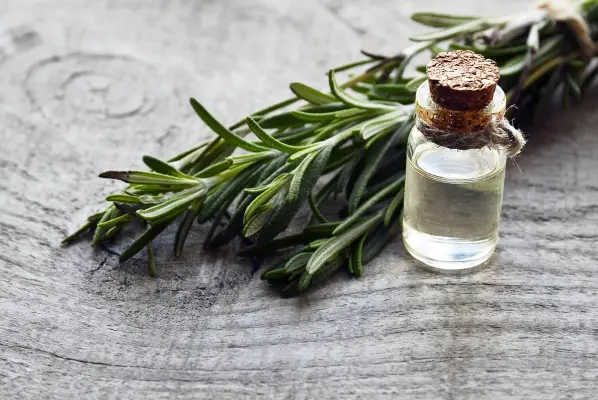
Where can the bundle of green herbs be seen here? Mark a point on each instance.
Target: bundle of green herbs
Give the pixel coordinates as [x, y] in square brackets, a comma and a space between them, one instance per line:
[345, 146]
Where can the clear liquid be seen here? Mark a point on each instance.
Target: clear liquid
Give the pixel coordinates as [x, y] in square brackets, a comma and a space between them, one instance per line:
[452, 205]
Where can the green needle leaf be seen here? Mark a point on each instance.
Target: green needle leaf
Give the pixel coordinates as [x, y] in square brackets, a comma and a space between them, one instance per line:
[415, 83]
[78, 233]
[321, 274]
[235, 224]
[356, 258]
[318, 117]
[298, 176]
[492, 52]
[257, 221]
[378, 238]
[162, 167]
[184, 227]
[393, 206]
[382, 123]
[173, 206]
[222, 131]
[215, 169]
[317, 243]
[151, 178]
[273, 275]
[311, 95]
[354, 64]
[440, 20]
[373, 158]
[279, 266]
[475, 25]
[146, 238]
[123, 198]
[269, 140]
[333, 247]
[224, 196]
[297, 262]
[123, 219]
[110, 213]
[298, 134]
[280, 121]
[110, 233]
[352, 101]
[314, 209]
[363, 209]
[261, 189]
[299, 189]
[142, 190]
[262, 199]
[96, 217]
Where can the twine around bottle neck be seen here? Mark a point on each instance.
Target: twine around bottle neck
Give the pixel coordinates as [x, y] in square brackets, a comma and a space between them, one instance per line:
[498, 134]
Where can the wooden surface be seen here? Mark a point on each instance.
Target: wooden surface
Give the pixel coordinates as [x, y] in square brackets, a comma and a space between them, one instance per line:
[91, 85]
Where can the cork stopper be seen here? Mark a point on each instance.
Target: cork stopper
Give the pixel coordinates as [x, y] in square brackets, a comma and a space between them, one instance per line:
[462, 80]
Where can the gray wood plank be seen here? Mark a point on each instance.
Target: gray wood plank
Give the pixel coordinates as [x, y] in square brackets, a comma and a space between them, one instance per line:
[92, 85]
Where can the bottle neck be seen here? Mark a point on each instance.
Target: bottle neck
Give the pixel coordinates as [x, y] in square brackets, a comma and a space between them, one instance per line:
[434, 115]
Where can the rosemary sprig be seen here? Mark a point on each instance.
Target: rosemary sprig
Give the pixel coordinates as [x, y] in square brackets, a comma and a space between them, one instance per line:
[352, 139]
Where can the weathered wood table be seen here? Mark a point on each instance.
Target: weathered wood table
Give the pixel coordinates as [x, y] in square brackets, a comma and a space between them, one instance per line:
[90, 85]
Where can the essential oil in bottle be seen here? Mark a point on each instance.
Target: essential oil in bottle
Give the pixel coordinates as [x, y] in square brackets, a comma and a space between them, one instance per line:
[453, 193]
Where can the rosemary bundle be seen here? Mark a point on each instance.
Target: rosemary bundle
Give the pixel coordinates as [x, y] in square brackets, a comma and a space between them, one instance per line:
[345, 147]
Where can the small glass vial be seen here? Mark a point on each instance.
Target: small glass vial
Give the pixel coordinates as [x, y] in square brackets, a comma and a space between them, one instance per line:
[453, 196]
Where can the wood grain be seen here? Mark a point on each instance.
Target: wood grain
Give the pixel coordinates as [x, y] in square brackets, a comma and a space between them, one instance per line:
[92, 85]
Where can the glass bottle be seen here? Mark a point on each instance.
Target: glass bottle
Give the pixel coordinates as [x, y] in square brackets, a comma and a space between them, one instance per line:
[453, 197]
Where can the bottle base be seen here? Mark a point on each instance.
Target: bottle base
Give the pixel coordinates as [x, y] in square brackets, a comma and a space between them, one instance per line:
[446, 254]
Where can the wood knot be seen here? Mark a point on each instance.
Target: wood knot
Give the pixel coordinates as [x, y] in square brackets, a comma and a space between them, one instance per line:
[462, 80]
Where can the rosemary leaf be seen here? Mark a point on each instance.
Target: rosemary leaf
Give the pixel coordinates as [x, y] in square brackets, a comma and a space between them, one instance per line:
[352, 101]
[338, 243]
[314, 209]
[299, 189]
[183, 229]
[269, 141]
[475, 25]
[98, 236]
[373, 159]
[437, 20]
[356, 258]
[123, 198]
[150, 178]
[393, 206]
[311, 95]
[415, 83]
[144, 239]
[363, 209]
[78, 233]
[123, 219]
[226, 194]
[297, 263]
[215, 169]
[173, 206]
[162, 167]
[221, 130]
[258, 219]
